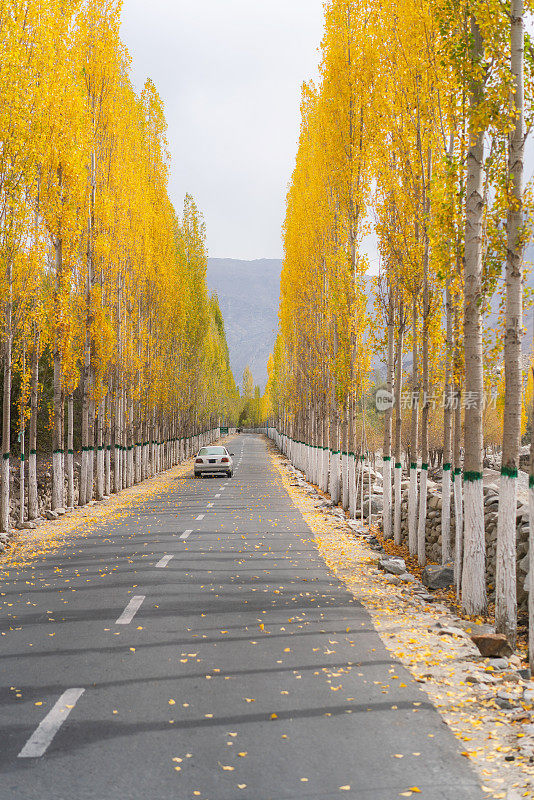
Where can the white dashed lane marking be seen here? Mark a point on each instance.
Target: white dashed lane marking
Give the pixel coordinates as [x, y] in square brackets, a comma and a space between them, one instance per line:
[210, 505]
[131, 610]
[164, 560]
[40, 739]
[201, 516]
[185, 534]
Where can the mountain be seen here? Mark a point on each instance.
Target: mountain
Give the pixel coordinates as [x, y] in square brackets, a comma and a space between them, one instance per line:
[248, 293]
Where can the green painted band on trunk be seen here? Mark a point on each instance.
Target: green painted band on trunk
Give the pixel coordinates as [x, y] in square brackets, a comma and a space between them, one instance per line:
[351, 455]
[22, 457]
[386, 458]
[33, 452]
[108, 447]
[344, 452]
[457, 471]
[509, 472]
[57, 451]
[335, 452]
[413, 465]
[530, 481]
[6, 456]
[446, 467]
[70, 452]
[424, 466]
[398, 465]
[471, 476]
[100, 447]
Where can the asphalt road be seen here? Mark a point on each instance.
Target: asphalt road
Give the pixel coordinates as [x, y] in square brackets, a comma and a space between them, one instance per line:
[198, 647]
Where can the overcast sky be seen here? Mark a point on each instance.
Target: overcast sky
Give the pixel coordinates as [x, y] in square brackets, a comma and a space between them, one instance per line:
[229, 73]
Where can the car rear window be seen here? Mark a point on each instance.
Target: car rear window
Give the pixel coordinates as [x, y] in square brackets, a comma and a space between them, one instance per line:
[212, 451]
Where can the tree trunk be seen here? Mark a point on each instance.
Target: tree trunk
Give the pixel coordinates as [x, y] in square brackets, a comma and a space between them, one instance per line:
[107, 443]
[447, 433]
[91, 447]
[414, 438]
[70, 451]
[6, 405]
[22, 436]
[345, 458]
[505, 583]
[388, 420]
[33, 497]
[425, 411]
[57, 432]
[473, 570]
[100, 477]
[115, 436]
[398, 428]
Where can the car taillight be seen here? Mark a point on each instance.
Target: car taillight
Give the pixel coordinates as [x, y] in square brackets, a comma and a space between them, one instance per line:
[224, 460]
[198, 461]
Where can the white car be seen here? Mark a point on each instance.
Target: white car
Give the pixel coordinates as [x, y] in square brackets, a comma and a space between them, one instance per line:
[213, 459]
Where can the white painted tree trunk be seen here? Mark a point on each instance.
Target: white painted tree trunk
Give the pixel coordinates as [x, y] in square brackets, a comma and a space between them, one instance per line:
[334, 483]
[386, 483]
[345, 480]
[6, 406]
[362, 488]
[325, 469]
[397, 530]
[446, 514]
[505, 572]
[505, 583]
[116, 442]
[447, 429]
[388, 418]
[473, 571]
[459, 529]
[33, 499]
[421, 526]
[91, 450]
[70, 452]
[397, 512]
[56, 477]
[100, 453]
[412, 509]
[22, 437]
[57, 472]
[352, 486]
[107, 445]
[474, 562]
